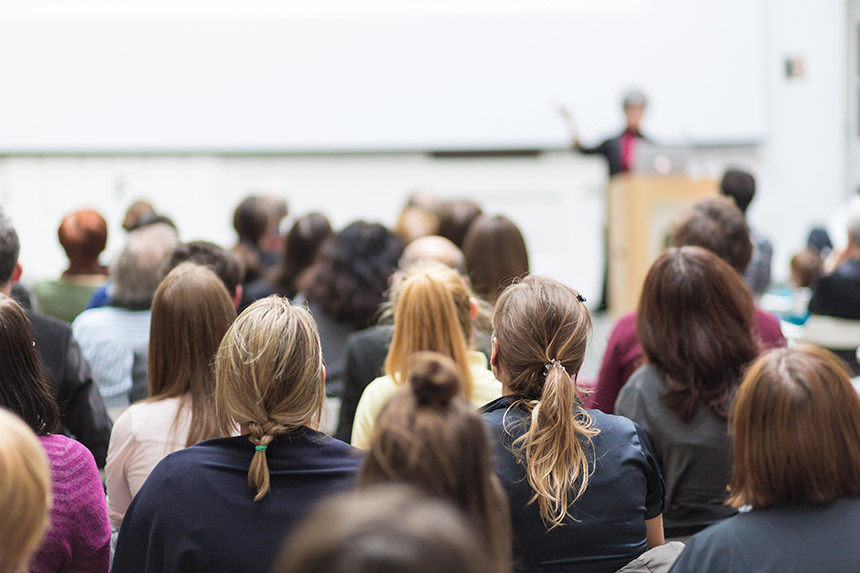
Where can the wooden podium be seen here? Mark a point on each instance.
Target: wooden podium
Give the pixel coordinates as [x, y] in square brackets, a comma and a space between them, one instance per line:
[641, 211]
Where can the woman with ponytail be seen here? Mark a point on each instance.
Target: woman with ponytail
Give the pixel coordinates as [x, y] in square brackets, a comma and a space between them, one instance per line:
[584, 488]
[226, 503]
[429, 436]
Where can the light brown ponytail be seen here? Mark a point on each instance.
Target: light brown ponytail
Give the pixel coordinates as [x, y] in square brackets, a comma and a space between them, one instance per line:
[268, 378]
[542, 330]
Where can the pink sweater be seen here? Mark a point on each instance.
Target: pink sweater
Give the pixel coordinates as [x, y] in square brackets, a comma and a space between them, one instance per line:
[79, 536]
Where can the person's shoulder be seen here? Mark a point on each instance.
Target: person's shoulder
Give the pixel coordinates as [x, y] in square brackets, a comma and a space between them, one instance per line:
[67, 454]
[644, 379]
[371, 335]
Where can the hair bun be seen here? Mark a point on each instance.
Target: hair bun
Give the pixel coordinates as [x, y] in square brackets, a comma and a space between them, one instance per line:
[434, 378]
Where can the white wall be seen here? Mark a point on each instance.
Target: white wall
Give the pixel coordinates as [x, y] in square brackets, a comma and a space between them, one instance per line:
[556, 198]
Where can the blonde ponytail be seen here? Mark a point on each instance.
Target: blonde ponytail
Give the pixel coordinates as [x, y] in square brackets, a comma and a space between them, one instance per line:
[542, 331]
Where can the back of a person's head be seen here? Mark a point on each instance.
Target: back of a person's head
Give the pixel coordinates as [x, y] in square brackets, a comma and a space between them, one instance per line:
[301, 246]
[191, 312]
[852, 221]
[432, 311]
[269, 377]
[83, 235]
[428, 436]
[137, 211]
[23, 386]
[433, 248]
[25, 493]
[806, 267]
[251, 220]
[696, 323]
[10, 247]
[796, 430]
[740, 186]
[414, 223]
[351, 274]
[385, 529]
[716, 224]
[542, 328]
[225, 263]
[495, 254]
[142, 264]
[455, 218]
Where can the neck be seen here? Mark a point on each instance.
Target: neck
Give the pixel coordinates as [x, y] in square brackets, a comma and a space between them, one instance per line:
[85, 268]
[6, 289]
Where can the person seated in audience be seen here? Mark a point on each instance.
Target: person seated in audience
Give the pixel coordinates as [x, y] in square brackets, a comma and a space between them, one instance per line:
[25, 493]
[584, 489]
[83, 235]
[429, 436]
[110, 337]
[433, 310]
[226, 503]
[78, 538]
[740, 186]
[224, 263]
[366, 349]
[716, 224]
[805, 272]
[300, 249]
[455, 218]
[696, 321]
[837, 292]
[82, 410]
[495, 255]
[191, 312]
[391, 528]
[271, 245]
[136, 212]
[251, 221]
[796, 433]
[414, 223]
[344, 290]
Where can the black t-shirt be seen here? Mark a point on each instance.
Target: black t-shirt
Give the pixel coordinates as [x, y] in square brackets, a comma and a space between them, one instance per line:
[195, 512]
[838, 294]
[797, 537]
[608, 526]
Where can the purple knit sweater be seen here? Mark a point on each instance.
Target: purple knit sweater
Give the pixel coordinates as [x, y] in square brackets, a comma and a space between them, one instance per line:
[79, 536]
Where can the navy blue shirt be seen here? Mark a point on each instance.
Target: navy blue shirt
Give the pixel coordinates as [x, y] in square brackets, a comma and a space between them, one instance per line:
[607, 529]
[195, 512]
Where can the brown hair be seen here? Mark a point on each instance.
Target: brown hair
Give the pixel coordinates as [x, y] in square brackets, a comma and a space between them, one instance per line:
[269, 377]
[432, 311]
[23, 386]
[431, 437]
[696, 323]
[25, 493]
[301, 246]
[455, 218]
[541, 329]
[806, 267]
[796, 430]
[383, 529]
[83, 235]
[716, 224]
[495, 254]
[191, 312]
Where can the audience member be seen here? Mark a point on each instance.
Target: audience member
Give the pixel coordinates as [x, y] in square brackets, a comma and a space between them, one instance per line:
[191, 312]
[251, 221]
[83, 235]
[224, 263]
[740, 186]
[366, 349]
[203, 508]
[113, 337]
[136, 211]
[344, 290]
[25, 493]
[82, 410]
[433, 311]
[429, 436]
[388, 529]
[716, 224]
[696, 322]
[584, 488]
[272, 242]
[495, 254]
[301, 246]
[414, 223]
[837, 292]
[796, 432]
[78, 538]
[805, 272]
[455, 218]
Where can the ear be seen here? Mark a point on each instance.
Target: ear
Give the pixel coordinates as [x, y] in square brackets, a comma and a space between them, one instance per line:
[494, 352]
[16, 273]
[473, 308]
[324, 374]
[237, 297]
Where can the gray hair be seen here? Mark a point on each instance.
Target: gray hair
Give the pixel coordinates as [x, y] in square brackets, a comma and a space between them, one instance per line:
[634, 98]
[10, 247]
[142, 264]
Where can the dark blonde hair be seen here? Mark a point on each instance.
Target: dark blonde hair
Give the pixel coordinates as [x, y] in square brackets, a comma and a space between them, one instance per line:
[427, 435]
[269, 377]
[796, 430]
[542, 329]
[191, 311]
[432, 311]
